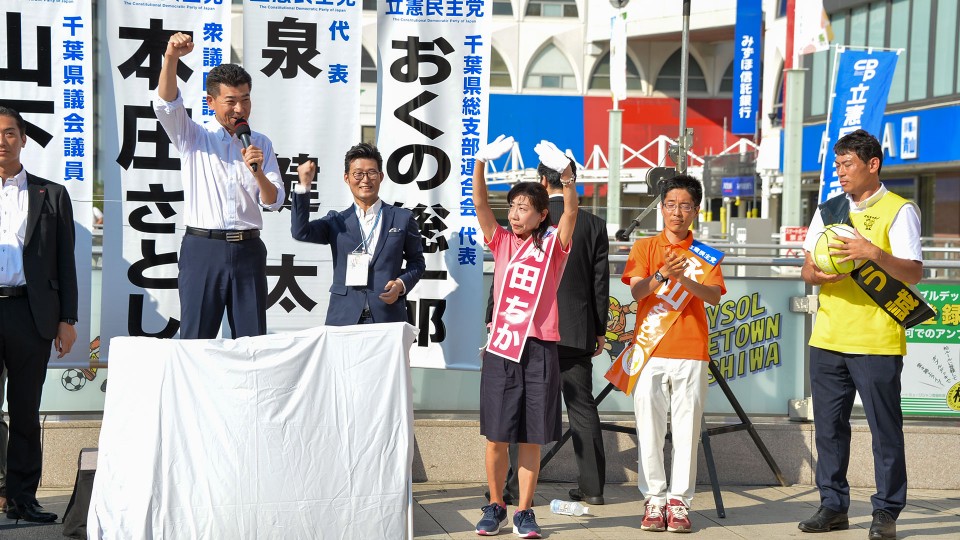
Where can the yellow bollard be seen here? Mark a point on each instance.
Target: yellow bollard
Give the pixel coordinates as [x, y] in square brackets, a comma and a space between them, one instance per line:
[723, 220]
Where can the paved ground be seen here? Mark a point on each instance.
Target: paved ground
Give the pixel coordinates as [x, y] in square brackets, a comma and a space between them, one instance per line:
[450, 511]
[758, 513]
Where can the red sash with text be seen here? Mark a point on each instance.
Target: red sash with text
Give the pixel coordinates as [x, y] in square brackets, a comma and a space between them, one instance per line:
[522, 289]
[657, 314]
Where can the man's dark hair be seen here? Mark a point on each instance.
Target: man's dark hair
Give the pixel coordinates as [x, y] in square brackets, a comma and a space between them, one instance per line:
[686, 182]
[228, 74]
[7, 111]
[362, 151]
[861, 143]
[537, 195]
[552, 176]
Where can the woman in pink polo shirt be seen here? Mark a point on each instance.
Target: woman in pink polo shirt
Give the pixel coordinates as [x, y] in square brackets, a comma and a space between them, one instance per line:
[520, 377]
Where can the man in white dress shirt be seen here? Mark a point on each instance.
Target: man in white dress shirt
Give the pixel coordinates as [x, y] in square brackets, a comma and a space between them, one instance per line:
[222, 259]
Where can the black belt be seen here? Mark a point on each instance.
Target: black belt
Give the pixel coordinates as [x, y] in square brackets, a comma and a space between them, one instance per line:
[220, 234]
[13, 292]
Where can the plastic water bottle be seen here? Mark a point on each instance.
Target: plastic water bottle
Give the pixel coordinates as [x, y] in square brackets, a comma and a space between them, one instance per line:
[568, 508]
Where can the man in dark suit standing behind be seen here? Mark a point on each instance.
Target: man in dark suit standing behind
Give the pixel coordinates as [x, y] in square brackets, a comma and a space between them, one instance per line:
[38, 305]
[369, 242]
[584, 305]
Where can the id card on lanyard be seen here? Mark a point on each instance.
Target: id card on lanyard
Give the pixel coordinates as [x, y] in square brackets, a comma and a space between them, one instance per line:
[358, 262]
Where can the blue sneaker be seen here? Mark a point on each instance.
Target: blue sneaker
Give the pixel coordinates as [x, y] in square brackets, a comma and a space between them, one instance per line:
[525, 524]
[494, 519]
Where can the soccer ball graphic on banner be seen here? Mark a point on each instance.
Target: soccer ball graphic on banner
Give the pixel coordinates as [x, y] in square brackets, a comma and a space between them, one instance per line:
[822, 256]
[72, 379]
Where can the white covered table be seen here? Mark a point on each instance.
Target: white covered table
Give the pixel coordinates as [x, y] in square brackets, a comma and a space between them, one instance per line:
[295, 435]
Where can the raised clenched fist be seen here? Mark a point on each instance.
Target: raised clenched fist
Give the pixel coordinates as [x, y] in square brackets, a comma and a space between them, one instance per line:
[179, 44]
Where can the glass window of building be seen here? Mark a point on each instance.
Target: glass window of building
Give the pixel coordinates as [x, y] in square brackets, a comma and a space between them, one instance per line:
[876, 33]
[499, 74]
[919, 50]
[368, 134]
[726, 82]
[370, 5]
[669, 78]
[551, 70]
[945, 49]
[926, 30]
[502, 7]
[946, 204]
[776, 115]
[899, 30]
[552, 8]
[368, 70]
[600, 80]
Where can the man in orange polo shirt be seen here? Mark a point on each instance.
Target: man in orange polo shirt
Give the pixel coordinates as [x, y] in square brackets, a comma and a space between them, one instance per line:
[674, 379]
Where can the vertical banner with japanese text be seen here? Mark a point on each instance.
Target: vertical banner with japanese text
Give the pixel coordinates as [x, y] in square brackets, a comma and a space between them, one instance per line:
[859, 99]
[746, 67]
[434, 62]
[305, 63]
[46, 74]
[143, 191]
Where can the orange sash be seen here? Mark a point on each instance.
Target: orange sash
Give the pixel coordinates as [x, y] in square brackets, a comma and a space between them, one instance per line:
[657, 314]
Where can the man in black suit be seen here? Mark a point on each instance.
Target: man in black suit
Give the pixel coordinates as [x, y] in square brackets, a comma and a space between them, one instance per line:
[583, 306]
[38, 306]
[583, 301]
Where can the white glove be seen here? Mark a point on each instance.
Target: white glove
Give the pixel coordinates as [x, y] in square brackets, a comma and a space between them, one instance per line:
[500, 146]
[551, 156]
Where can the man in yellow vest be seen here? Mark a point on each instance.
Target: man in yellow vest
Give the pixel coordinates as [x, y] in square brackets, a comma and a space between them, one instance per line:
[856, 345]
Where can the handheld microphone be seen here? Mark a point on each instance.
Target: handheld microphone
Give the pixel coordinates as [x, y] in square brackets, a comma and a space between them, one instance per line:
[242, 129]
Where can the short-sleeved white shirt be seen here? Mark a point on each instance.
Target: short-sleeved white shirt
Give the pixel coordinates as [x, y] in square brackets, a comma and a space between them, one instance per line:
[904, 231]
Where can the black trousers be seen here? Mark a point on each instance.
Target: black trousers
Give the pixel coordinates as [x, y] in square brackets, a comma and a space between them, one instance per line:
[576, 386]
[834, 378]
[4, 435]
[25, 355]
[216, 275]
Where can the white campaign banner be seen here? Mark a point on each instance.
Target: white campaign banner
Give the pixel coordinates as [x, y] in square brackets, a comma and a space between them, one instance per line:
[434, 62]
[46, 74]
[305, 64]
[143, 191]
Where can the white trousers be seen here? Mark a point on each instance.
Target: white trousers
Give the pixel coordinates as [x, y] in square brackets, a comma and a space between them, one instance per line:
[677, 387]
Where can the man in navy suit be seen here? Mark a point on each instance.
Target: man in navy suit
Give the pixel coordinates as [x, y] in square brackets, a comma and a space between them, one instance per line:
[369, 241]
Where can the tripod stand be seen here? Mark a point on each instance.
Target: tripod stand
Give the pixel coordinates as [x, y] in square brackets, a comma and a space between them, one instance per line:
[705, 434]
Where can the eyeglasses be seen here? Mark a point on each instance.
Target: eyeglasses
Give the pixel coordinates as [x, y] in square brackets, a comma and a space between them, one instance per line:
[684, 207]
[371, 175]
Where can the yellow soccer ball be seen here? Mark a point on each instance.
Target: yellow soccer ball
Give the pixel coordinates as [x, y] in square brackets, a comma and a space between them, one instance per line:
[825, 259]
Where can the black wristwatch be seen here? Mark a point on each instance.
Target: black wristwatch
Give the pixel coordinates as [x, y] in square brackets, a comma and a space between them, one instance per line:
[660, 278]
[71, 322]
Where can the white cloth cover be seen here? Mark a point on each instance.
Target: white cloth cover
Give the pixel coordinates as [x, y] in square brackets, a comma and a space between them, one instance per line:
[287, 436]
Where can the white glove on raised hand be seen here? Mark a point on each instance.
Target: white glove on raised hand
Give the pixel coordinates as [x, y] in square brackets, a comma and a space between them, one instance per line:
[500, 146]
[551, 156]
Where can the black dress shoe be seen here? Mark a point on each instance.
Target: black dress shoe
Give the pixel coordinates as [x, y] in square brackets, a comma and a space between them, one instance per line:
[884, 527]
[825, 520]
[577, 495]
[29, 511]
